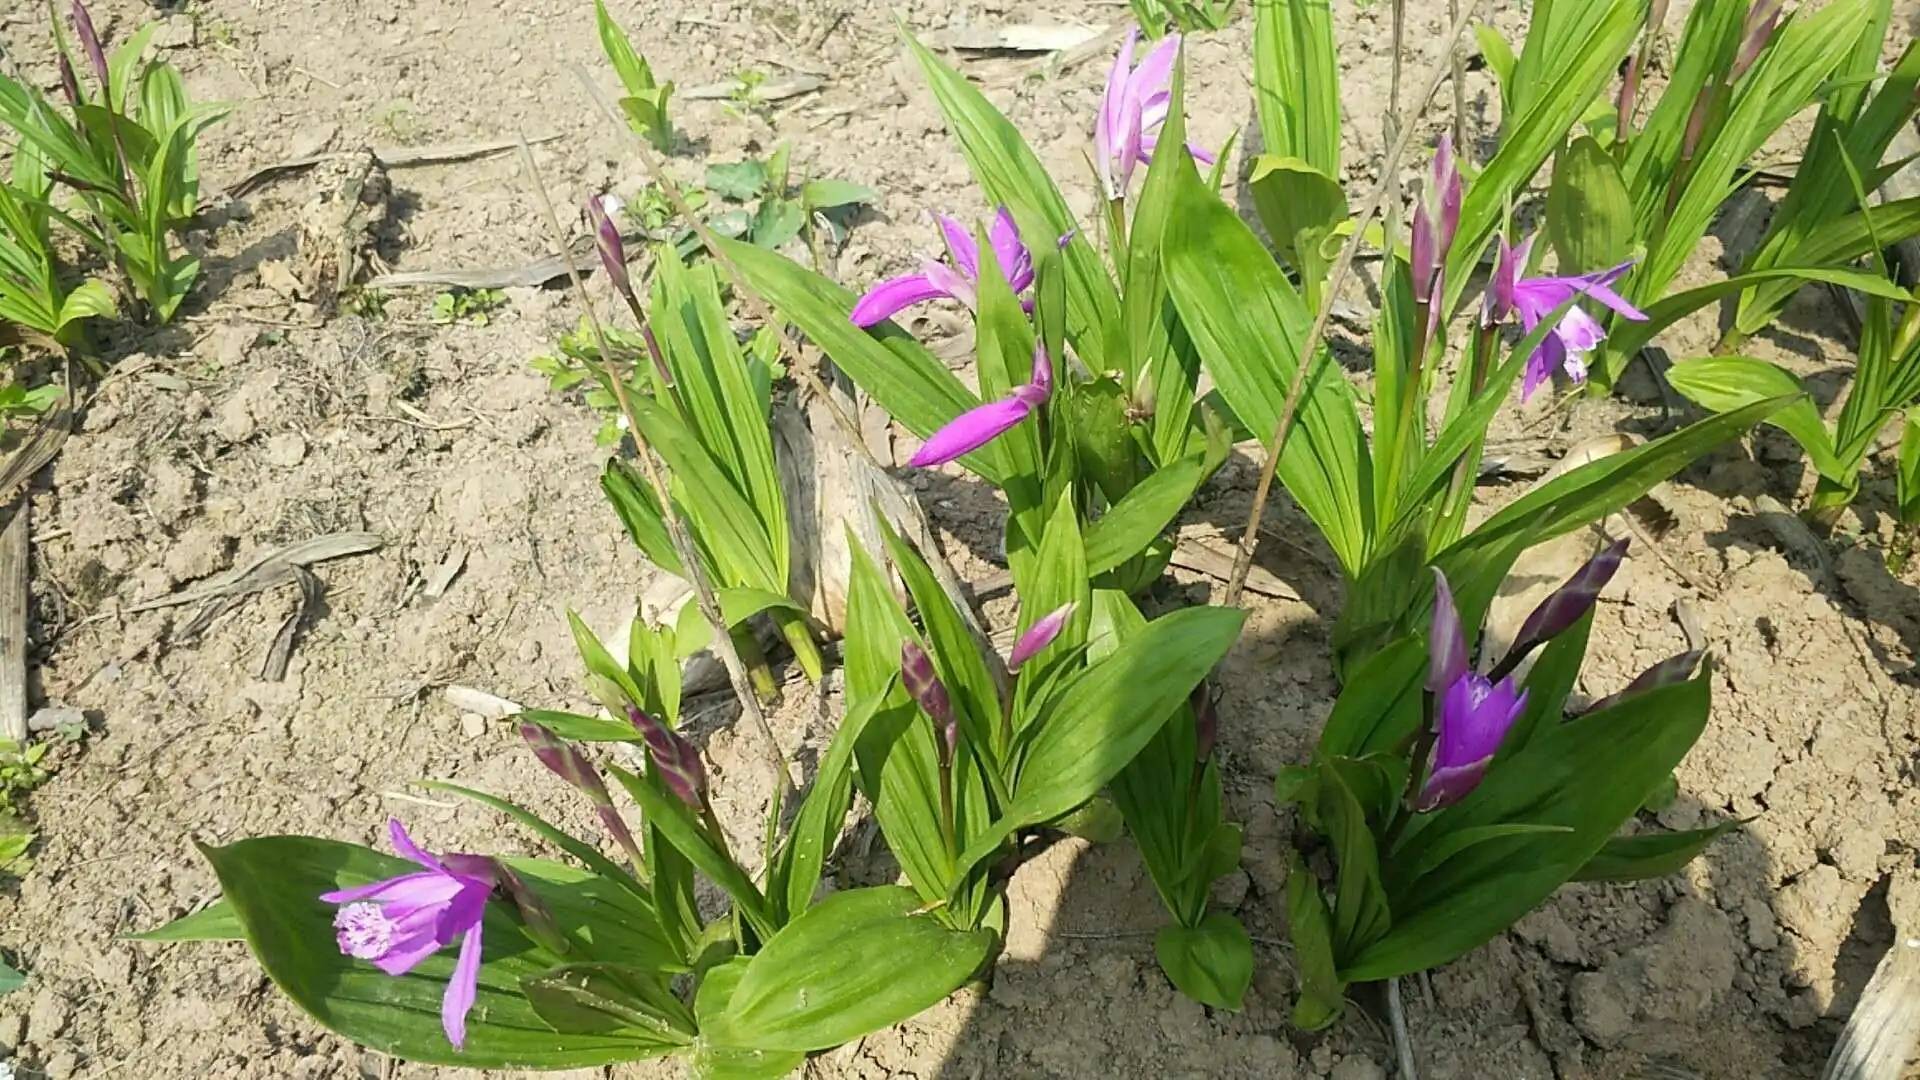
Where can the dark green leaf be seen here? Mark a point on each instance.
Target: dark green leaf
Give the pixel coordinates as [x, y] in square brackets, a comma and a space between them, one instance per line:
[610, 999]
[274, 885]
[1589, 213]
[215, 922]
[828, 194]
[1211, 963]
[854, 963]
[1322, 992]
[1649, 855]
[1137, 519]
[690, 837]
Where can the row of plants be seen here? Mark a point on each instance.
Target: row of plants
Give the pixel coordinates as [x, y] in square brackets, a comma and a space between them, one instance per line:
[1454, 786]
[103, 180]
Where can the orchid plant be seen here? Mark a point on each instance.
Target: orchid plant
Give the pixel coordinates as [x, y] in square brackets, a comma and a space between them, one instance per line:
[1649, 190]
[126, 147]
[593, 961]
[706, 415]
[1454, 797]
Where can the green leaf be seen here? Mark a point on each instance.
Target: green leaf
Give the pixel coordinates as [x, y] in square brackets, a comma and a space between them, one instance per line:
[728, 527]
[1722, 383]
[956, 656]
[1296, 82]
[11, 978]
[777, 221]
[274, 884]
[1211, 963]
[1479, 561]
[1102, 719]
[1907, 486]
[577, 728]
[1650, 855]
[1322, 992]
[1249, 327]
[1137, 520]
[1299, 205]
[690, 837]
[1589, 775]
[822, 814]
[854, 963]
[740, 181]
[1500, 60]
[599, 662]
[89, 299]
[1456, 842]
[913, 386]
[829, 194]
[215, 922]
[610, 999]
[1589, 213]
[1380, 704]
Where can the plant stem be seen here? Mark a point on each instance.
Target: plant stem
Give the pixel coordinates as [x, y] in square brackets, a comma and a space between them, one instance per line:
[1250, 537]
[676, 529]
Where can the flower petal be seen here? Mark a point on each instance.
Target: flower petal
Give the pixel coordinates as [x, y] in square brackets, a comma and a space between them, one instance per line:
[466, 909]
[966, 254]
[972, 430]
[404, 844]
[890, 297]
[1016, 262]
[422, 889]
[462, 989]
[1550, 357]
[1579, 331]
[1155, 73]
[1447, 656]
[413, 941]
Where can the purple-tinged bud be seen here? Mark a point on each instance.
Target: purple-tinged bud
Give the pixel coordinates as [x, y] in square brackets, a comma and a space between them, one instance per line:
[1503, 289]
[1435, 221]
[1697, 123]
[1206, 722]
[923, 683]
[1038, 636]
[606, 239]
[69, 82]
[1570, 601]
[1447, 656]
[675, 760]
[1762, 19]
[90, 44]
[535, 916]
[1669, 672]
[1629, 95]
[567, 762]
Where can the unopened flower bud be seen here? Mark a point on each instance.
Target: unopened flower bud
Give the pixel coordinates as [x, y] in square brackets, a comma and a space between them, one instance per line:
[1206, 722]
[535, 916]
[1038, 636]
[1570, 601]
[1669, 672]
[675, 760]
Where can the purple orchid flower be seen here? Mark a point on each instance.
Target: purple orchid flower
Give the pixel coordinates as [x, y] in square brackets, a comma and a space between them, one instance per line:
[401, 921]
[937, 280]
[1474, 711]
[1040, 635]
[1533, 299]
[982, 424]
[1435, 221]
[1475, 715]
[1136, 104]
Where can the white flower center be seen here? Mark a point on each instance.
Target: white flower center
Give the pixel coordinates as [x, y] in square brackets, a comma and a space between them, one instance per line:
[363, 930]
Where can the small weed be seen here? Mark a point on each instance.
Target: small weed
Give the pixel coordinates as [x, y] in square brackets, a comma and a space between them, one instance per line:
[470, 306]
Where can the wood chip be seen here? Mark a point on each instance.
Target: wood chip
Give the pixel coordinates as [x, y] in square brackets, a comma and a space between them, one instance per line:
[764, 92]
[524, 276]
[1017, 37]
[15, 560]
[443, 575]
[392, 157]
[1214, 558]
[466, 699]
